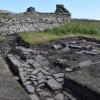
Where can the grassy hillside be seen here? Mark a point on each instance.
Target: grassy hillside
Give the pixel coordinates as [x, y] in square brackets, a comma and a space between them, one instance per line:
[90, 29]
[4, 13]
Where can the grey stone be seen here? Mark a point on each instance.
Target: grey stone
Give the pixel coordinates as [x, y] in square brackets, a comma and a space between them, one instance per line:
[57, 46]
[27, 82]
[50, 99]
[90, 52]
[95, 51]
[41, 61]
[39, 58]
[76, 47]
[66, 49]
[38, 89]
[85, 64]
[41, 81]
[24, 65]
[59, 96]
[24, 49]
[35, 71]
[44, 93]
[13, 60]
[24, 53]
[58, 75]
[30, 88]
[30, 61]
[48, 77]
[59, 62]
[40, 76]
[29, 70]
[44, 71]
[35, 82]
[34, 97]
[60, 80]
[22, 76]
[68, 96]
[20, 69]
[53, 84]
[33, 77]
[36, 65]
[68, 69]
[41, 85]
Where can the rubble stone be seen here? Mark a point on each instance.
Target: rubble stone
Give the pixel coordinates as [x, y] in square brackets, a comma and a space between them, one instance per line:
[30, 88]
[34, 97]
[58, 75]
[84, 64]
[53, 84]
[44, 93]
[57, 46]
[50, 98]
[68, 70]
[59, 96]
[60, 80]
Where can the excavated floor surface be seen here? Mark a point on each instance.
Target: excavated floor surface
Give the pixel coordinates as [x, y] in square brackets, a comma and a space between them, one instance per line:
[43, 69]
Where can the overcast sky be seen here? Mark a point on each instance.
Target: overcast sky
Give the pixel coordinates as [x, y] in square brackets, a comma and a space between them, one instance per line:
[79, 8]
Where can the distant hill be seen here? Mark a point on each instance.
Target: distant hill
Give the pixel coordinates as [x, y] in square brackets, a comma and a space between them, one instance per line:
[5, 11]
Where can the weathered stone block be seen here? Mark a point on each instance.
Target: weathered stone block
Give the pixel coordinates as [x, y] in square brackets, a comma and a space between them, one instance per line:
[53, 84]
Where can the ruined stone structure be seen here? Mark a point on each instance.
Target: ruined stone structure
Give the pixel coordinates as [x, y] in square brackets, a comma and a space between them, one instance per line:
[67, 69]
[30, 9]
[31, 20]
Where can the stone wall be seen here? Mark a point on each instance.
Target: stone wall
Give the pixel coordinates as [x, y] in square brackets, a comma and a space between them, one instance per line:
[32, 21]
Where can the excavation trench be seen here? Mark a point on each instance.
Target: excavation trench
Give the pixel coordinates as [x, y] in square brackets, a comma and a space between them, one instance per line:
[60, 70]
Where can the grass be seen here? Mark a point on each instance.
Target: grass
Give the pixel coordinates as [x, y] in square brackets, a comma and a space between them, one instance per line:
[89, 29]
[2, 38]
[37, 37]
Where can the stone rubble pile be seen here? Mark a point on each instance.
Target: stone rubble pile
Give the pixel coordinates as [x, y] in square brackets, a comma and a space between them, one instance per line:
[16, 27]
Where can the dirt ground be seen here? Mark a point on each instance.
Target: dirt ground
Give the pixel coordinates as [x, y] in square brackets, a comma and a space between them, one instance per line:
[9, 87]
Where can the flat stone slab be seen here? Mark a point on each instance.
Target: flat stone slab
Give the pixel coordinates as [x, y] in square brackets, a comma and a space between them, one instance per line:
[9, 88]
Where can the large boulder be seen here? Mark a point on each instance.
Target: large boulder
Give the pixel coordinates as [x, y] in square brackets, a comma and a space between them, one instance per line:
[62, 9]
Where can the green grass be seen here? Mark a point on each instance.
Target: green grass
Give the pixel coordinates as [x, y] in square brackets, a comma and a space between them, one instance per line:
[2, 38]
[37, 37]
[89, 29]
